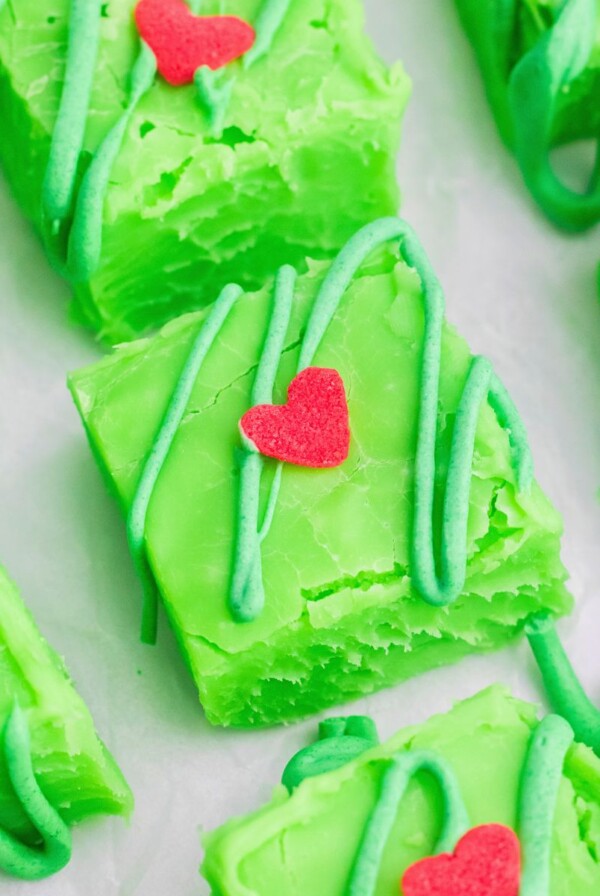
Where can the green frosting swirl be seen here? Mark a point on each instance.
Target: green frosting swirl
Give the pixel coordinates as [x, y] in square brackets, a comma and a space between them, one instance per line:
[136, 521]
[54, 852]
[565, 691]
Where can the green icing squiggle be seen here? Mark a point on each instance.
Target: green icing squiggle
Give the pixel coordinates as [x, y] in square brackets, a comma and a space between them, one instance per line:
[436, 588]
[540, 783]
[16, 858]
[163, 441]
[396, 778]
[246, 596]
[565, 691]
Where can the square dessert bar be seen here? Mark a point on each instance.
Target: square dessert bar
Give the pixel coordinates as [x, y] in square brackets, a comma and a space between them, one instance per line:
[279, 154]
[540, 61]
[292, 588]
[520, 799]
[75, 772]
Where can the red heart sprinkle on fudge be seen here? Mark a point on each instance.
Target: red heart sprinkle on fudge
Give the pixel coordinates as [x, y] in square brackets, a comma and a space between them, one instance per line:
[183, 42]
[312, 429]
[486, 862]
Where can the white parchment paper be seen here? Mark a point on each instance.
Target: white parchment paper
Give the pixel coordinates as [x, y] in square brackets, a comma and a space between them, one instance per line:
[521, 293]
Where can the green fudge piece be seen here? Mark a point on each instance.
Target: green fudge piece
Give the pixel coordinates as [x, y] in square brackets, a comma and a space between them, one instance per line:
[306, 154]
[540, 61]
[342, 617]
[75, 771]
[307, 842]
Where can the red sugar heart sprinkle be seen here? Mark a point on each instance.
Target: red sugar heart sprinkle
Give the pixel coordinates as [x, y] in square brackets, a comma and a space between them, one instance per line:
[182, 42]
[486, 862]
[311, 430]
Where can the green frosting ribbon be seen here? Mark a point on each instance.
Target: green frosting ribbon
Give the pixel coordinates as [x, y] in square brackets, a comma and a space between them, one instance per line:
[441, 588]
[540, 784]
[341, 740]
[527, 93]
[163, 441]
[565, 691]
[397, 776]
[54, 852]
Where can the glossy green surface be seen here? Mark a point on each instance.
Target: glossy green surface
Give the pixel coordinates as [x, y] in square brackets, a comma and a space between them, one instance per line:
[307, 154]
[75, 771]
[340, 618]
[306, 842]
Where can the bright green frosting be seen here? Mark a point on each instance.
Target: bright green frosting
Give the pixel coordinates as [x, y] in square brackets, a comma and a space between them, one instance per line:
[341, 616]
[315, 115]
[75, 772]
[540, 60]
[500, 760]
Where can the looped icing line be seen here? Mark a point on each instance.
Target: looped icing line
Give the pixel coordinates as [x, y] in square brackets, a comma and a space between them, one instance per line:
[17, 858]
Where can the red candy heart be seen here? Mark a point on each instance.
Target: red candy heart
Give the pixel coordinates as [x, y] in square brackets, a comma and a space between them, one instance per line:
[182, 42]
[486, 862]
[312, 429]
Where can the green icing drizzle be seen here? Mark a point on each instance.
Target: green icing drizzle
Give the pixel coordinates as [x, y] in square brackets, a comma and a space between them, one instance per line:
[214, 93]
[246, 596]
[436, 588]
[341, 740]
[214, 89]
[540, 783]
[58, 190]
[16, 858]
[396, 778]
[85, 241]
[163, 441]
[268, 21]
[565, 691]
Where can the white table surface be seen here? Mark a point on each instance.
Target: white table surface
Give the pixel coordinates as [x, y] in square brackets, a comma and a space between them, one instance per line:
[521, 292]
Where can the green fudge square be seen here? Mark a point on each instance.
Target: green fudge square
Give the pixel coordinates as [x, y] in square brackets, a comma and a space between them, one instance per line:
[74, 769]
[307, 841]
[305, 155]
[540, 61]
[342, 616]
